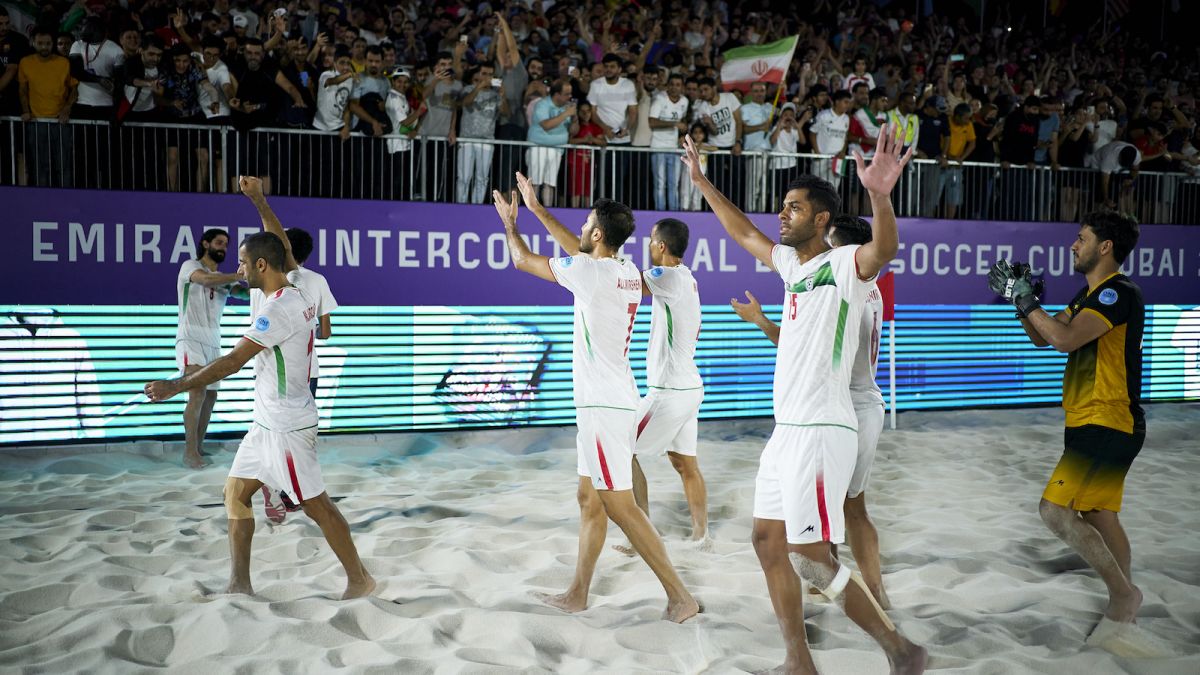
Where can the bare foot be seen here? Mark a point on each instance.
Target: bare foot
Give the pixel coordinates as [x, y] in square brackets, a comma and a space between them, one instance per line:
[626, 549]
[242, 588]
[788, 669]
[567, 602]
[360, 589]
[1124, 609]
[911, 663]
[194, 461]
[681, 610]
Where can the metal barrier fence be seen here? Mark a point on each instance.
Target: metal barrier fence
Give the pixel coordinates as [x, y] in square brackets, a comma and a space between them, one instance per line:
[309, 163]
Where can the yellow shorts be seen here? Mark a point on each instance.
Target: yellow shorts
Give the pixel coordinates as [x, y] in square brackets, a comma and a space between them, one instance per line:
[1091, 474]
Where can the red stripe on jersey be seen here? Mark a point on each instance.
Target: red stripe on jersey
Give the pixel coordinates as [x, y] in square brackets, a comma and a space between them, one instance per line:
[821, 507]
[603, 464]
[292, 475]
[279, 292]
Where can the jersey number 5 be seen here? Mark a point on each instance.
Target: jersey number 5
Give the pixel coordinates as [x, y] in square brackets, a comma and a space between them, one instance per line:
[632, 315]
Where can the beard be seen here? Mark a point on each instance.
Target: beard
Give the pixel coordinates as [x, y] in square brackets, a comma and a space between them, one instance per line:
[1084, 265]
[585, 245]
[217, 255]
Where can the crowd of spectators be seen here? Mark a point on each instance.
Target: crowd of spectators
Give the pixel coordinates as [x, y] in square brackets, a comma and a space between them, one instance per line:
[377, 78]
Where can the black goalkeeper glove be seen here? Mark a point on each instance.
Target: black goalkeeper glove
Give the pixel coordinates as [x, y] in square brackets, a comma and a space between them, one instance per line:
[1015, 284]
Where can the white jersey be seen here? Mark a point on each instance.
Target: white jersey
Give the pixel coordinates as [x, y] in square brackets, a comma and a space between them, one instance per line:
[200, 307]
[674, 329]
[219, 76]
[315, 287]
[100, 60]
[607, 294]
[863, 390]
[823, 304]
[830, 130]
[284, 326]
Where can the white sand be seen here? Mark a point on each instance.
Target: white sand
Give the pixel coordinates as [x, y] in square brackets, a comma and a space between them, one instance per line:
[111, 563]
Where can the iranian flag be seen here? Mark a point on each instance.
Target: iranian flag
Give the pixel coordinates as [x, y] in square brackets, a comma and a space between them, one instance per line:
[22, 16]
[761, 63]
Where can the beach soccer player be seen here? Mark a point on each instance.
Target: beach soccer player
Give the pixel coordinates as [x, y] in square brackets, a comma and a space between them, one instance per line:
[607, 291]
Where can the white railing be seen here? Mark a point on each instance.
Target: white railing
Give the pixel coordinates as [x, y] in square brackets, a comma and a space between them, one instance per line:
[309, 163]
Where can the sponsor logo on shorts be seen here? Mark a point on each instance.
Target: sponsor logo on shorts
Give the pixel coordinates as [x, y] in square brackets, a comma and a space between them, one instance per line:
[810, 528]
[1108, 296]
[261, 324]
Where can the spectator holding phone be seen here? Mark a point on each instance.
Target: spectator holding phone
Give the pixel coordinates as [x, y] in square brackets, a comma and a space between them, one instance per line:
[482, 103]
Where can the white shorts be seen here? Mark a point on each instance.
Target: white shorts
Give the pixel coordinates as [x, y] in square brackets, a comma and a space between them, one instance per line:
[543, 165]
[605, 447]
[802, 478]
[192, 353]
[285, 461]
[870, 425]
[668, 420]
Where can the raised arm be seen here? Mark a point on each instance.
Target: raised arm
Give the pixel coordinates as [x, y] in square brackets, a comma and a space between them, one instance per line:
[879, 178]
[568, 240]
[523, 259]
[739, 227]
[752, 312]
[251, 186]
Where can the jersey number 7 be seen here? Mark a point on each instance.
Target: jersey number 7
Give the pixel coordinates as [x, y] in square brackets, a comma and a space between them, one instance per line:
[632, 316]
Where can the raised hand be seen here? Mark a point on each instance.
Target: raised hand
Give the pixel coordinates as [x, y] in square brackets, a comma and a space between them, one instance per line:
[507, 210]
[998, 278]
[691, 159]
[251, 186]
[528, 191]
[887, 164]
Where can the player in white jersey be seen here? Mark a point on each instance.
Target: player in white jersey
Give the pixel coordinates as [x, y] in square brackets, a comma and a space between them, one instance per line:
[202, 292]
[278, 503]
[805, 470]
[867, 401]
[669, 414]
[281, 447]
[607, 292]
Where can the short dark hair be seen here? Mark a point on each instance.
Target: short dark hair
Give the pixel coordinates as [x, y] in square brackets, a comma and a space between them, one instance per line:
[706, 80]
[1127, 157]
[876, 94]
[302, 243]
[212, 42]
[674, 233]
[377, 51]
[267, 246]
[207, 238]
[820, 192]
[650, 70]
[840, 95]
[615, 219]
[341, 52]
[1032, 101]
[1120, 229]
[850, 230]
[40, 30]
[675, 76]
[962, 109]
[251, 42]
[151, 40]
[611, 58]
[857, 85]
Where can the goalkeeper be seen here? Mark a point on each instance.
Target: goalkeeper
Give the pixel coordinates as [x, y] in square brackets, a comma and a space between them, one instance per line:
[1101, 331]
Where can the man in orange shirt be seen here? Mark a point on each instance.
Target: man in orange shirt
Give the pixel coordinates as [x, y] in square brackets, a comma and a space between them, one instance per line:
[47, 93]
[958, 142]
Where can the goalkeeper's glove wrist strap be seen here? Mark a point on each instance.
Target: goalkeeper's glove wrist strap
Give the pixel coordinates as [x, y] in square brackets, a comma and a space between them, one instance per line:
[1026, 304]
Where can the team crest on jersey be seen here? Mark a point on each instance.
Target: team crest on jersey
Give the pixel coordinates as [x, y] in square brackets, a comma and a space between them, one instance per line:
[565, 262]
[261, 324]
[656, 272]
[808, 284]
[1108, 296]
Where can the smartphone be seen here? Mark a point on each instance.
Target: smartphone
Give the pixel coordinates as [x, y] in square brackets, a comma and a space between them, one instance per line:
[462, 39]
[572, 71]
[496, 83]
[1091, 110]
[955, 58]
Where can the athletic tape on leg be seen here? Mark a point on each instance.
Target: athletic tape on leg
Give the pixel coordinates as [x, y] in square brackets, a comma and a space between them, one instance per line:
[234, 509]
[821, 576]
[838, 584]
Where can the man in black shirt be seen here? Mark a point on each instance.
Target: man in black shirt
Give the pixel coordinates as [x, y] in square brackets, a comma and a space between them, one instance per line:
[932, 121]
[1018, 143]
[13, 47]
[260, 92]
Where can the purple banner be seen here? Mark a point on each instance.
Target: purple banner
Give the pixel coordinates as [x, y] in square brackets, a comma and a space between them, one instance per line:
[92, 247]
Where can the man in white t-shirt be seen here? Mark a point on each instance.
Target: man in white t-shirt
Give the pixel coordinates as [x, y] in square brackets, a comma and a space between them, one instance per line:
[668, 417]
[615, 99]
[93, 62]
[827, 136]
[1116, 158]
[668, 119]
[717, 111]
[756, 122]
[868, 406]
[201, 291]
[607, 292]
[281, 448]
[215, 101]
[805, 470]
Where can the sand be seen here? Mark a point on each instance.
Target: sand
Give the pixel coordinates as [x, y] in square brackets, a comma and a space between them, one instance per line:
[113, 562]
